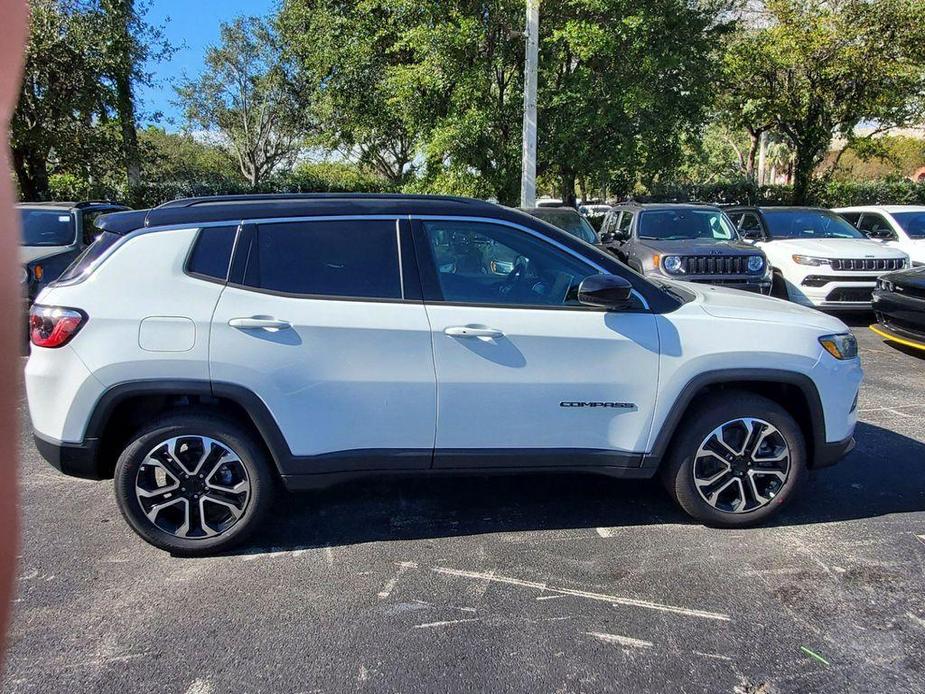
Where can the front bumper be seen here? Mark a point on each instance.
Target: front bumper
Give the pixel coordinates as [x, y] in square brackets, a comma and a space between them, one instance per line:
[830, 453]
[74, 459]
[747, 283]
[900, 318]
[837, 291]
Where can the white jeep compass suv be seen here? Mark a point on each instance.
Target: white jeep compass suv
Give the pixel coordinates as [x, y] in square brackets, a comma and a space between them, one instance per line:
[207, 351]
[818, 259]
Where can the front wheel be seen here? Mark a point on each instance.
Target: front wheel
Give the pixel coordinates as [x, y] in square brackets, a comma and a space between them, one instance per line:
[737, 461]
[193, 484]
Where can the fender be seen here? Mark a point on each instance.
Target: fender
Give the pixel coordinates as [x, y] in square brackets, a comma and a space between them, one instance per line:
[255, 408]
[807, 386]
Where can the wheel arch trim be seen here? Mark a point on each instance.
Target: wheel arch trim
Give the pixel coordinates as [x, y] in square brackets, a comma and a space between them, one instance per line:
[673, 420]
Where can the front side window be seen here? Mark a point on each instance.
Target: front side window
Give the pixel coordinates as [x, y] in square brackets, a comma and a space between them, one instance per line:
[339, 259]
[686, 224]
[625, 222]
[913, 223]
[46, 227]
[750, 222]
[809, 224]
[876, 224]
[484, 263]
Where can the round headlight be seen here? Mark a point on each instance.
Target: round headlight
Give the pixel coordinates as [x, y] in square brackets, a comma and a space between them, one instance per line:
[672, 263]
[755, 263]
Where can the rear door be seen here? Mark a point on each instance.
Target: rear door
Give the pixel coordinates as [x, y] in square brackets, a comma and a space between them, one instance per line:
[320, 319]
[526, 375]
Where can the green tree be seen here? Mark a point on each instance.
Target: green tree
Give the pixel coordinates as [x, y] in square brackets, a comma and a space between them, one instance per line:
[622, 82]
[344, 52]
[247, 95]
[62, 95]
[131, 44]
[815, 70]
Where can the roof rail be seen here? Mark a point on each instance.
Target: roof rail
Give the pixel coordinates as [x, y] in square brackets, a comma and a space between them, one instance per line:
[295, 197]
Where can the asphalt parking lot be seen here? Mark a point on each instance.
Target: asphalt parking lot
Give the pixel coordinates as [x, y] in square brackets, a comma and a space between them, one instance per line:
[498, 584]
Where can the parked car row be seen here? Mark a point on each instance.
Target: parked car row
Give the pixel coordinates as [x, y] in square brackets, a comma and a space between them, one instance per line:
[825, 259]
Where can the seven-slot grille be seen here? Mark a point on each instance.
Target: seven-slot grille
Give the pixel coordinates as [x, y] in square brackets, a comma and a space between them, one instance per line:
[867, 264]
[714, 264]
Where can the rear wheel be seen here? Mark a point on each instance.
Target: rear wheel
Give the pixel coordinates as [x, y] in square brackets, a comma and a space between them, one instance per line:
[193, 484]
[737, 461]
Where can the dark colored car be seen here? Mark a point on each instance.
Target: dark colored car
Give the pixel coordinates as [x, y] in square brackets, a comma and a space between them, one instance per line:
[694, 243]
[899, 305]
[53, 235]
[566, 219]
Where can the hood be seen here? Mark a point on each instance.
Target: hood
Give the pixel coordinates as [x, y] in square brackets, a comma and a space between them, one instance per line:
[723, 302]
[27, 254]
[908, 278]
[700, 247]
[837, 248]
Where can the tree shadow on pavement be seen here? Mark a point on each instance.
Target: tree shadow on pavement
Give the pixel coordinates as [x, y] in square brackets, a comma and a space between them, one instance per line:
[884, 475]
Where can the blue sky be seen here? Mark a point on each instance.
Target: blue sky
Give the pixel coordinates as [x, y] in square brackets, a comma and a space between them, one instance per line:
[193, 25]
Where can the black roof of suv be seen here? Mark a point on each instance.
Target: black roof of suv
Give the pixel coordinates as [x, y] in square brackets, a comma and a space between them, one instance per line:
[226, 207]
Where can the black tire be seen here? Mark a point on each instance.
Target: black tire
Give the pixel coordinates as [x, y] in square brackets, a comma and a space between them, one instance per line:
[779, 286]
[253, 459]
[677, 471]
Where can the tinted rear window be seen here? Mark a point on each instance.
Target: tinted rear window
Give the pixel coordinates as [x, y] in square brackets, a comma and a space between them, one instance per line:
[46, 227]
[212, 252]
[356, 258]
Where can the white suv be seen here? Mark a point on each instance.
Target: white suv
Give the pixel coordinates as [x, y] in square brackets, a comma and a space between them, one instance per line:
[818, 259]
[208, 350]
[898, 226]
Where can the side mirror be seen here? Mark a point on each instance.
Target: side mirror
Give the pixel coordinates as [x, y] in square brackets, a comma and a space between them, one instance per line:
[611, 237]
[752, 234]
[605, 291]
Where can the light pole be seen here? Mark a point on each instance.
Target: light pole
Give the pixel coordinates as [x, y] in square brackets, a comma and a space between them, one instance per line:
[528, 175]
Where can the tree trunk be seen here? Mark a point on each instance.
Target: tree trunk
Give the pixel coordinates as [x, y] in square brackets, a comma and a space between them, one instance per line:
[124, 11]
[32, 174]
[126, 108]
[567, 188]
[752, 153]
[804, 164]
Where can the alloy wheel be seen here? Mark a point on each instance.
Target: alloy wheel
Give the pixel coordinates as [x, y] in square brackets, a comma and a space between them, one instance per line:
[741, 465]
[193, 487]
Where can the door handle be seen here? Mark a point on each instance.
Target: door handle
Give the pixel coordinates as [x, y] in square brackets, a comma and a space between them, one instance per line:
[469, 331]
[257, 322]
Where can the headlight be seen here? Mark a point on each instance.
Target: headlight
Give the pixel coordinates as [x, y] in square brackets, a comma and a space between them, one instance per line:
[810, 260]
[24, 277]
[842, 346]
[755, 263]
[672, 264]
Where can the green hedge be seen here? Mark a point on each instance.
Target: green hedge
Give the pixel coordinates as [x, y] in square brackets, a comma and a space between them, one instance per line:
[306, 178]
[822, 193]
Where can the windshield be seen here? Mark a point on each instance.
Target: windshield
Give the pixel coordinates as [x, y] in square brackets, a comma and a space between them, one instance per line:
[46, 227]
[686, 224]
[913, 223]
[809, 224]
[570, 221]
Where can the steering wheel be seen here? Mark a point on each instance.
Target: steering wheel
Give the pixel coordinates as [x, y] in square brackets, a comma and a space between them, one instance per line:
[515, 276]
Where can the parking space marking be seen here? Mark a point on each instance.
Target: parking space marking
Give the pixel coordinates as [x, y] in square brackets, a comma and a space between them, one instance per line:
[624, 641]
[430, 625]
[600, 597]
[392, 582]
[605, 532]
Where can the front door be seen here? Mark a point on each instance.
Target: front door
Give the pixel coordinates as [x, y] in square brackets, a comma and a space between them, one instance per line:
[526, 375]
[316, 322]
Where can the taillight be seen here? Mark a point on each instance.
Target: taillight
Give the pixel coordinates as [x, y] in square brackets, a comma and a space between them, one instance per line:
[54, 326]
